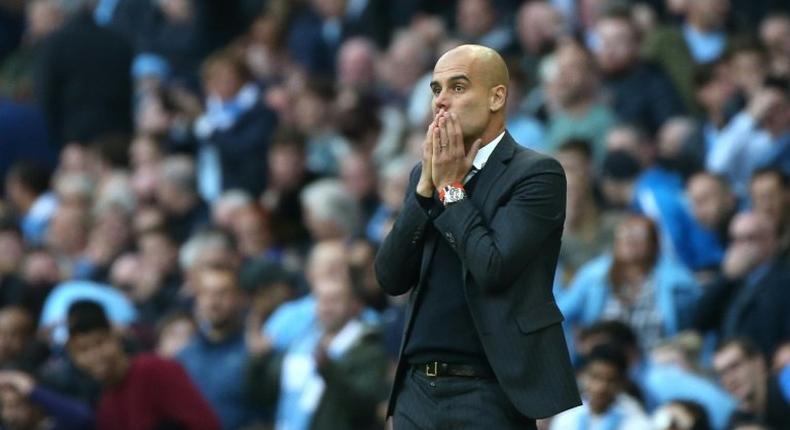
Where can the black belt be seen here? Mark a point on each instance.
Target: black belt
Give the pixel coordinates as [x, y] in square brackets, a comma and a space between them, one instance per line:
[437, 368]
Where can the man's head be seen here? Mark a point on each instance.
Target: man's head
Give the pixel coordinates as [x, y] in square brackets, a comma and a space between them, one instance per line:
[475, 18]
[472, 82]
[24, 182]
[753, 235]
[619, 172]
[619, 43]
[575, 79]
[16, 331]
[12, 247]
[336, 302]
[632, 139]
[741, 369]
[769, 191]
[712, 201]
[330, 211]
[356, 63]
[538, 25]
[218, 297]
[177, 190]
[707, 15]
[328, 260]
[92, 344]
[603, 376]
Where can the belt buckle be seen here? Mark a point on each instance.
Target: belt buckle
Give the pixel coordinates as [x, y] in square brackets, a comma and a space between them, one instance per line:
[432, 372]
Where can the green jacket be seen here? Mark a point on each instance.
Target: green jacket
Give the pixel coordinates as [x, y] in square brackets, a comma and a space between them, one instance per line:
[356, 385]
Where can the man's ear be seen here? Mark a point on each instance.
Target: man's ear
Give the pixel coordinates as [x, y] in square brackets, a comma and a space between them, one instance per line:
[497, 98]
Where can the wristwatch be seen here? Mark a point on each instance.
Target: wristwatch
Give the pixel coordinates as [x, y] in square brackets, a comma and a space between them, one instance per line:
[452, 193]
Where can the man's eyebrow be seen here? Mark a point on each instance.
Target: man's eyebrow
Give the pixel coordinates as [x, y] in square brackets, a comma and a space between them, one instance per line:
[451, 79]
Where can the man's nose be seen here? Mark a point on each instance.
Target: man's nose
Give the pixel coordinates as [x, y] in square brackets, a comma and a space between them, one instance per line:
[441, 101]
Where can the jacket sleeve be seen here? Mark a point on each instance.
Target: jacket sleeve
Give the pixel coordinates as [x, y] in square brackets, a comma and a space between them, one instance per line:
[495, 252]
[263, 379]
[398, 260]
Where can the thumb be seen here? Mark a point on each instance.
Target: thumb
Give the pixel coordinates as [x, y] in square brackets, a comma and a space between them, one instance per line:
[470, 156]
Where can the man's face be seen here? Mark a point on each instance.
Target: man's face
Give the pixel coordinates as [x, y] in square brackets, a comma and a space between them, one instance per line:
[574, 76]
[769, 197]
[218, 298]
[602, 383]
[752, 236]
[459, 88]
[738, 374]
[618, 45]
[15, 327]
[18, 413]
[709, 201]
[97, 353]
[335, 304]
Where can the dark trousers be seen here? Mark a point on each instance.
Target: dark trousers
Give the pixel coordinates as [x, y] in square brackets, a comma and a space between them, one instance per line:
[454, 403]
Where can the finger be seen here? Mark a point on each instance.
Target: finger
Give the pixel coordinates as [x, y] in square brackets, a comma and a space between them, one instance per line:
[445, 140]
[436, 141]
[458, 143]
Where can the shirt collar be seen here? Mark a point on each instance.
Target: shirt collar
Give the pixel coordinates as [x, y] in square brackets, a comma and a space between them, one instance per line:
[482, 155]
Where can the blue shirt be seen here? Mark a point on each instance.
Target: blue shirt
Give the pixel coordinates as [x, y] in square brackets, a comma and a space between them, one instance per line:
[217, 368]
[704, 47]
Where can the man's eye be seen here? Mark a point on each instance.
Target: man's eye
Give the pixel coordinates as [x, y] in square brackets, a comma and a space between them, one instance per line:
[435, 90]
[458, 88]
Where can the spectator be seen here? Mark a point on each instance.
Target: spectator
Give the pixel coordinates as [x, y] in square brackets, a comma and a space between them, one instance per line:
[28, 405]
[588, 228]
[392, 182]
[340, 361]
[358, 174]
[83, 80]
[140, 392]
[538, 27]
[749, 298]
[476, 22]
[774, 34]
[225, 208]
[11, 254]
[701, 39]
[635, 285]
[713, 205]
[177, 194]
[769, 193]
[219, 304]
[16, 74]
[235, 130]
[288, 175]
[27, 188]
[576, 109]
[743, 372]
[329, 211]
[603, 377]
[755, 136]
[641, 93]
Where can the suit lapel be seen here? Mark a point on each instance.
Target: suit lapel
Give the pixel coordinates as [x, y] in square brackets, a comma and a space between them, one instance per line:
[491, 172]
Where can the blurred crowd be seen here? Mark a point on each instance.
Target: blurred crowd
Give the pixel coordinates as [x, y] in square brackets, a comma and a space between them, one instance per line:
[194, 192]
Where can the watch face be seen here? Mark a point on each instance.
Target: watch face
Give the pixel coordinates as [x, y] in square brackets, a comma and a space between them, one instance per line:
[453, 194]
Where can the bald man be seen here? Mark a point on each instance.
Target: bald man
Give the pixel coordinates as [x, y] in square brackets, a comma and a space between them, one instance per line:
[476, 246]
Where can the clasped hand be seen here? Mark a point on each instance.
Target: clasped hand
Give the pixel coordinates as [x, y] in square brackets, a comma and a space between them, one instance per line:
[444, 157]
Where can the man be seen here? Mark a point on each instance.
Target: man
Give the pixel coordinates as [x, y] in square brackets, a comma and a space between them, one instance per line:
[713, 205]
[219, 305]
[641, 93]
[750, 298]
[478, 257]
[769, 192]
[332, 377]
[143, 392]
[744, 374]
[607, 406]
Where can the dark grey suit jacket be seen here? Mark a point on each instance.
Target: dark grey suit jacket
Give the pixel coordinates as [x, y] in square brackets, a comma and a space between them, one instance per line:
[507, 236]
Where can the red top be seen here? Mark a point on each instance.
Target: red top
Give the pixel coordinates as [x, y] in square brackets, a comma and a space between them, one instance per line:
[154, 393]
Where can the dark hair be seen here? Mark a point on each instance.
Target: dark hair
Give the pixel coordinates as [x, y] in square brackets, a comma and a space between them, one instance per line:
[771, 170]
[613, 331]
[31, 175]
[85, 316]
[747, 346]
[609, 353]
[579, 145]
[288, 137]
[698, 412]
[618, 269]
